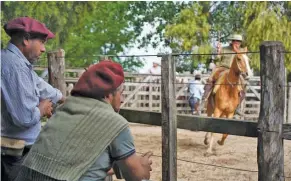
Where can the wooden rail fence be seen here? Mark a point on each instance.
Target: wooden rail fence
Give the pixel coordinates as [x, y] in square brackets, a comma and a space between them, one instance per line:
[270, 129]
[143, 92]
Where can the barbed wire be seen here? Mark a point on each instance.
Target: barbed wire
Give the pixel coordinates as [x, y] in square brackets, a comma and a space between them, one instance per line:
[195, 84]
[181, 83]
[160, 55]
[212, 165]
[187, 83]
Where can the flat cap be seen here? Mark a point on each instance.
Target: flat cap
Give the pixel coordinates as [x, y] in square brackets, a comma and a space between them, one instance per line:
[99, 80]
[28, 25]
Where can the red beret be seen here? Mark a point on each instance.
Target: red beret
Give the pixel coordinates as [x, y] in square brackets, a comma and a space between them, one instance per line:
[99, 80]
[28, 25]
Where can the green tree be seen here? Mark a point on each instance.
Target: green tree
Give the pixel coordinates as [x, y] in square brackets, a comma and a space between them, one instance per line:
[265, 21]
[191, 29]
[225, 19]
[83, 29]
[158, 14]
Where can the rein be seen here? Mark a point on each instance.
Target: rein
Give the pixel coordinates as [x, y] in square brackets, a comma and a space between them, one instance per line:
[232, 84]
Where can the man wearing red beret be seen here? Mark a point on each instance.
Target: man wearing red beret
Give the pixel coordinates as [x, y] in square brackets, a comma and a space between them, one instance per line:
[25, 96]
[86, 136]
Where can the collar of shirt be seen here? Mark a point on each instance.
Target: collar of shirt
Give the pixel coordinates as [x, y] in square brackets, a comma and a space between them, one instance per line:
[194, 81]
[17, 52]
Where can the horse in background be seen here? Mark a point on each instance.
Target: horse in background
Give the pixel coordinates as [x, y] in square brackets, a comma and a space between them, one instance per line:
[225, 96]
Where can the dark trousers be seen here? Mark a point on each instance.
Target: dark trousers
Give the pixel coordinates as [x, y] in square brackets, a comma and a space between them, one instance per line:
[193, 102]
[10, 165]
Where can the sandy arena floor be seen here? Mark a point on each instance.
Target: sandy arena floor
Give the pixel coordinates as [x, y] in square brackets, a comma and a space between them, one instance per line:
[238, 152]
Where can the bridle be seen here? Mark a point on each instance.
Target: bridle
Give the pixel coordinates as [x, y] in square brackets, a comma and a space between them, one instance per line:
[232, 84]
[240, 70]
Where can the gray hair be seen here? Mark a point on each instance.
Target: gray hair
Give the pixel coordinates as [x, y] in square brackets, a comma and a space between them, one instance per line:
[18, 37]
[118, 88]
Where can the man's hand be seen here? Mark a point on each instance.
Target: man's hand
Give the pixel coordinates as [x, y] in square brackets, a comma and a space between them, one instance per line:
[62, 100]
[110, 172]
[145, 160]
[235, 48]
[136, 168]
[45, 107]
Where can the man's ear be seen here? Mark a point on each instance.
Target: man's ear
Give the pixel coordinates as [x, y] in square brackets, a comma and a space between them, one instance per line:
[108, 97]
[25, 41]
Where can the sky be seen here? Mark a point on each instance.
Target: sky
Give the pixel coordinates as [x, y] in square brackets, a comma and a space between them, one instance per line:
[149, 50]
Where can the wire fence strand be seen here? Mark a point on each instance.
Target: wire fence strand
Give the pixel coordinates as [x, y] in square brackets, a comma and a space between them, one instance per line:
[187, 83]
[212, 165]
[160, 55]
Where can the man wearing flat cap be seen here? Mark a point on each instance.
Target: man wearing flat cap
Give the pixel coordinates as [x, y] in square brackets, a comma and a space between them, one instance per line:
[87, 135]
[25, 96]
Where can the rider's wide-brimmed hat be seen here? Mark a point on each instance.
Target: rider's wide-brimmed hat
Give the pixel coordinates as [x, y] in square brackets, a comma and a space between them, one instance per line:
[235, 37]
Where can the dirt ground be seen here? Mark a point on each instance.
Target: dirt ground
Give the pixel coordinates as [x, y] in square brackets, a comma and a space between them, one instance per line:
[238, 152]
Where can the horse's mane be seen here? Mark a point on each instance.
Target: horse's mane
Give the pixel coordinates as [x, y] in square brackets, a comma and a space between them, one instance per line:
[220, 81]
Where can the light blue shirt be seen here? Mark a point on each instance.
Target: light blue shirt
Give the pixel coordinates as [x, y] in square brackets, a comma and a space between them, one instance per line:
[120, 148]
[196, 89]
[21, 92]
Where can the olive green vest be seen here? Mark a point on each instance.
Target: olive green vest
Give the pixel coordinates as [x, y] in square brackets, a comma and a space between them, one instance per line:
[74, 138]
[225, 60]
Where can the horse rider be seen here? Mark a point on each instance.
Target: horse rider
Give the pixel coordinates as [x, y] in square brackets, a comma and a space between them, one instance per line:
[223, 63]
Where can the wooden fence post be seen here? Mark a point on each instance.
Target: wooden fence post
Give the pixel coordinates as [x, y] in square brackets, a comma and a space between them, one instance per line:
[169, 119]
[270, 148]
[289, 103]
[285, 98]
[56, 70]
[151, 94]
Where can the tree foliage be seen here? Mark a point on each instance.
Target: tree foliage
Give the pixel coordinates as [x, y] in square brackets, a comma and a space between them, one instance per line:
[88, 29]
[207, 22]
[190, 32]
[265, 21]
[83, 29]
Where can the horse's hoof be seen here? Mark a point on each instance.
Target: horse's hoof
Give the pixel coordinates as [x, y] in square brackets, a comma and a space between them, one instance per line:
[206, 141]
[220, 142]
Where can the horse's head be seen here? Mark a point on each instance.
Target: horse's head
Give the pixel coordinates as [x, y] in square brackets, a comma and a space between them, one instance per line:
[241, 64]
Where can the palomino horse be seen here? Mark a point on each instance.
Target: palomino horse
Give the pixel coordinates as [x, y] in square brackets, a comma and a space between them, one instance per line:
[225, 96]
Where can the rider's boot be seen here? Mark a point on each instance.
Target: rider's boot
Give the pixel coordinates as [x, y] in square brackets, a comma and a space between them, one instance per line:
[207, 89]
[242, 96]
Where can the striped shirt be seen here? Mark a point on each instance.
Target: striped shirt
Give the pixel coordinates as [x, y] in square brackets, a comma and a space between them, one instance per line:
[21, 92]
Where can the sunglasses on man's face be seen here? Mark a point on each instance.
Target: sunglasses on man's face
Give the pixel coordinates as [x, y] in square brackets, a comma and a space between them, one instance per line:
[237, 41]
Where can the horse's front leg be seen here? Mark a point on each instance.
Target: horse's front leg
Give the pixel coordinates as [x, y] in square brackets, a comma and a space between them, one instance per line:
[209, 111]
[206, 138]
[224, 136]
[217, 113]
